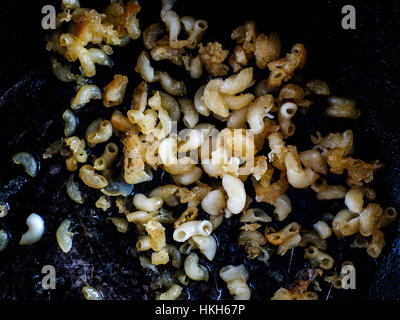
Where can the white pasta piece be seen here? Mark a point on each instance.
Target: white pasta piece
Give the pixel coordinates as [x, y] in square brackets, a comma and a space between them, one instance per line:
[258, 110]
[192, 228]
[141, 202]
[35, 231]
[323, 230]
[234, 188]
[193, 269]
[354, 200]
[214, 202]
[188, 178]
[207, 245]
[282, 207]
[238, 82]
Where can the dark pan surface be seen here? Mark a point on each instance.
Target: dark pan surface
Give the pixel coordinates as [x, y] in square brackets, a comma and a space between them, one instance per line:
[362, 64]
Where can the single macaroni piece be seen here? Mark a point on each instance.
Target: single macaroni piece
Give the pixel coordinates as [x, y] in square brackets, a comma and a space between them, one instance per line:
[192, 228]
[27, 161]
[151, 33]
[171, 106]
[71, 122]
[286, 239]
[237, 119]
[172, 293]
[207, 245]
[157, 233]
[236, 278]
[192, 139]
[345, 223]
[73, 190]
[114, 92]
[278, 150]
[282, 207]
[77, 147]
[376, 244]
[35, 231]
[121, 224]
[135, 170]
[322, 259]
[314, 160]
[213, 98]
[3, 209]
[182, 277]
[328, 192]
[255, 215]
[105, 161]
[342, 108]
[103, 133]
[91, 178]
[190, 114]
[122, 123]
[297, 176]
[167, 193]
[291, 92]
[188, 178]
[234, 188]
[4, 239]
[282, 70]
[91, 293]
[64, 237]
[354, 200]
[312, 238]
[165, 52]
[267, 191]
[193, 65]
[213, 56]
[323, 230]
[159, 257]
[369, 218]
[117, 188]
[168, 153]
[237, 82]
[194, 270]
[214, 202]
[141, 202]
[103, 203]
[318, 87]
[199, 103]
[194, 28]
[388, 217]
[174, 254]
[84, 95]
[252, 240]
[258, 110]
[285, 114]
[189, 214]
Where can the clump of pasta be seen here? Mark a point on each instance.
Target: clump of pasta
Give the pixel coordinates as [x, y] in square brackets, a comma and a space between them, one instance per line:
[235, 129]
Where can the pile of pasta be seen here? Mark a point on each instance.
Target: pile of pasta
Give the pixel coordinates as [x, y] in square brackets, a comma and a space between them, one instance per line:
[256, 117]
